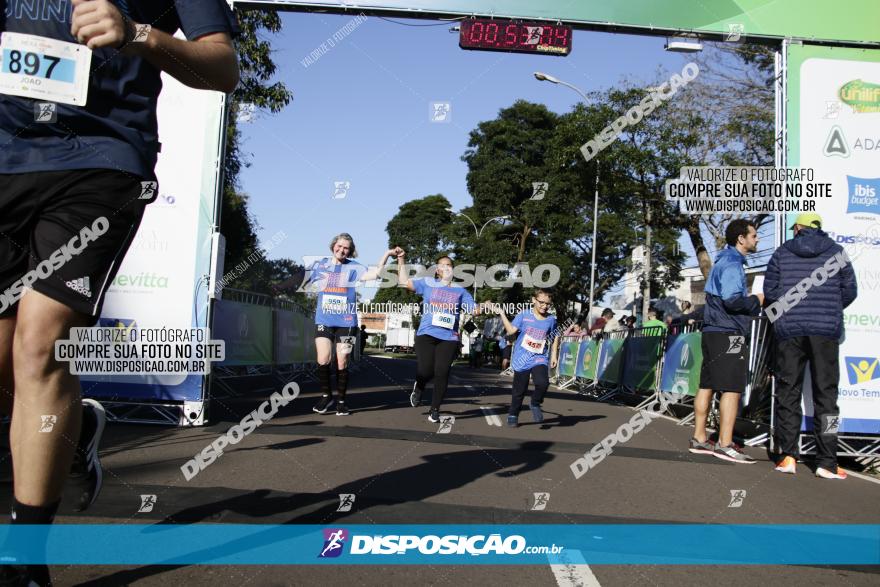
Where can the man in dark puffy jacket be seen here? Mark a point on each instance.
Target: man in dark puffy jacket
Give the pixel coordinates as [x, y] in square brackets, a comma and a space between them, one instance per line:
[725, 342]
[809, 282]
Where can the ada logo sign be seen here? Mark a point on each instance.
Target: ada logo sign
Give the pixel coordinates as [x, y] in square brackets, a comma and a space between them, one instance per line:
[864, 195]
[334, 542]
[862, 369]
[835, 144]
[861, 95]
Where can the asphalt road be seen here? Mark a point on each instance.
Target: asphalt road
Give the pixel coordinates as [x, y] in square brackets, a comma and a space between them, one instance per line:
[292, 469]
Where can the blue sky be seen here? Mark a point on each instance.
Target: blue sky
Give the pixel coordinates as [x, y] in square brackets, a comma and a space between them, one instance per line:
[360, 114]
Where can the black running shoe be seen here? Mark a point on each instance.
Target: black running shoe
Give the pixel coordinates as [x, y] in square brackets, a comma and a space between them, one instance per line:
[415, 398]
[86, 475]
[323, 405]
[434, 416]
[341, 410]
[24, 576]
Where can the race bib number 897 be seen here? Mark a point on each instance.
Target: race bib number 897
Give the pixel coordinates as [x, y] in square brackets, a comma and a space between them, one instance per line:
[44, 69]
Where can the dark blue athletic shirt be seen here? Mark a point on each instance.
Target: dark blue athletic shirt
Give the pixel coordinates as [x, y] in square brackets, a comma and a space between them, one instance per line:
[117, 128]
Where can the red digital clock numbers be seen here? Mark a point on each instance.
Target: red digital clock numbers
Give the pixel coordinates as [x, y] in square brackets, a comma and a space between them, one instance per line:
[505, 35]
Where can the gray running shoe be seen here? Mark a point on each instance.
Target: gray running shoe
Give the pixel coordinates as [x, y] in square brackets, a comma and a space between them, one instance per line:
[702, 448]
[415, 398]
[730, 453]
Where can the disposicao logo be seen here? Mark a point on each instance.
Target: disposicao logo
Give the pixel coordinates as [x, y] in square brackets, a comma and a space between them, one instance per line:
[862, 369]
[861, 95]
[864, 195]
[334, 542]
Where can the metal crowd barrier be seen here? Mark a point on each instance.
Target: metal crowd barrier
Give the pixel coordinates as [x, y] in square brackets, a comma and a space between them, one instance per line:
[637, 362]
[272, 369]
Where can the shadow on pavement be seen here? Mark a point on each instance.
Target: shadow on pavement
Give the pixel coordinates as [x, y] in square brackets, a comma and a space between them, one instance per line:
[436, 475]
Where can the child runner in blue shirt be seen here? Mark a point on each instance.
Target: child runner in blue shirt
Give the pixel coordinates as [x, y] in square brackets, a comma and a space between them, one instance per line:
[438, 338]
[531, 353]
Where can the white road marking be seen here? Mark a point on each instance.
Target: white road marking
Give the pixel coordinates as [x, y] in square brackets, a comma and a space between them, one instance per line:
[491, 417]
[860, 476]
[571, 570]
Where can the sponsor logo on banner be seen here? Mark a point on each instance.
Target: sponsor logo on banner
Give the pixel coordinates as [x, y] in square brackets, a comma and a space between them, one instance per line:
[588, 358]
[862, 369]
[866, 144]
[569, 358]
[244, 325]
[334, 542]
[864, 195]
[852, 239]
[126, 325]
[835, 144]
[151, 241]
[868, 279]
[684, 360]
[861, 95]
[868, 322]
[165, 201]
[142, 279]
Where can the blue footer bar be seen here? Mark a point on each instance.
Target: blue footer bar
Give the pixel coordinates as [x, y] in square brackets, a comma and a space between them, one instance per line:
[524, 544]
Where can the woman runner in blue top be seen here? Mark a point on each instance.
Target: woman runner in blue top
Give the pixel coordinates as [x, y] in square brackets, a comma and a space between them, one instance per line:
[438, 339]
[536, 332]
[334, 279]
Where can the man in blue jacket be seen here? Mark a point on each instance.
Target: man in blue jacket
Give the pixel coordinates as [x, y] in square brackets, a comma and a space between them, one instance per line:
[809, 282]
[726, 328]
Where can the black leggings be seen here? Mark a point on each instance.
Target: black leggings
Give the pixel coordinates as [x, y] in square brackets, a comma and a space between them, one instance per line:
[540, 375]
[435, 357]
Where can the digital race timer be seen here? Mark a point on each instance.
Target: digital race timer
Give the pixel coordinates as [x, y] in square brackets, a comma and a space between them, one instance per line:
[506, 35]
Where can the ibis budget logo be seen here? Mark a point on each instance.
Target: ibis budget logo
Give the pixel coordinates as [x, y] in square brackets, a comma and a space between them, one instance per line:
[861, 95]
[862, 369]
[864, 195]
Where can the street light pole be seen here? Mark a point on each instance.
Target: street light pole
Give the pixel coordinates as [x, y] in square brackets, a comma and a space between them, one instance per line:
[478, 232]
[593, 263]
[646, 295]
[543, 77]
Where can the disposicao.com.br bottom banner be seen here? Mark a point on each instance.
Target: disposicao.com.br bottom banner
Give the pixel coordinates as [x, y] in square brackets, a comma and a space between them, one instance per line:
[654, 544]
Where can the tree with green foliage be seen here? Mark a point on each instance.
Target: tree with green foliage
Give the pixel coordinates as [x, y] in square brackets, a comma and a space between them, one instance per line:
[527, 143]
[420, 229]
[730, 107]
[256, 87]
